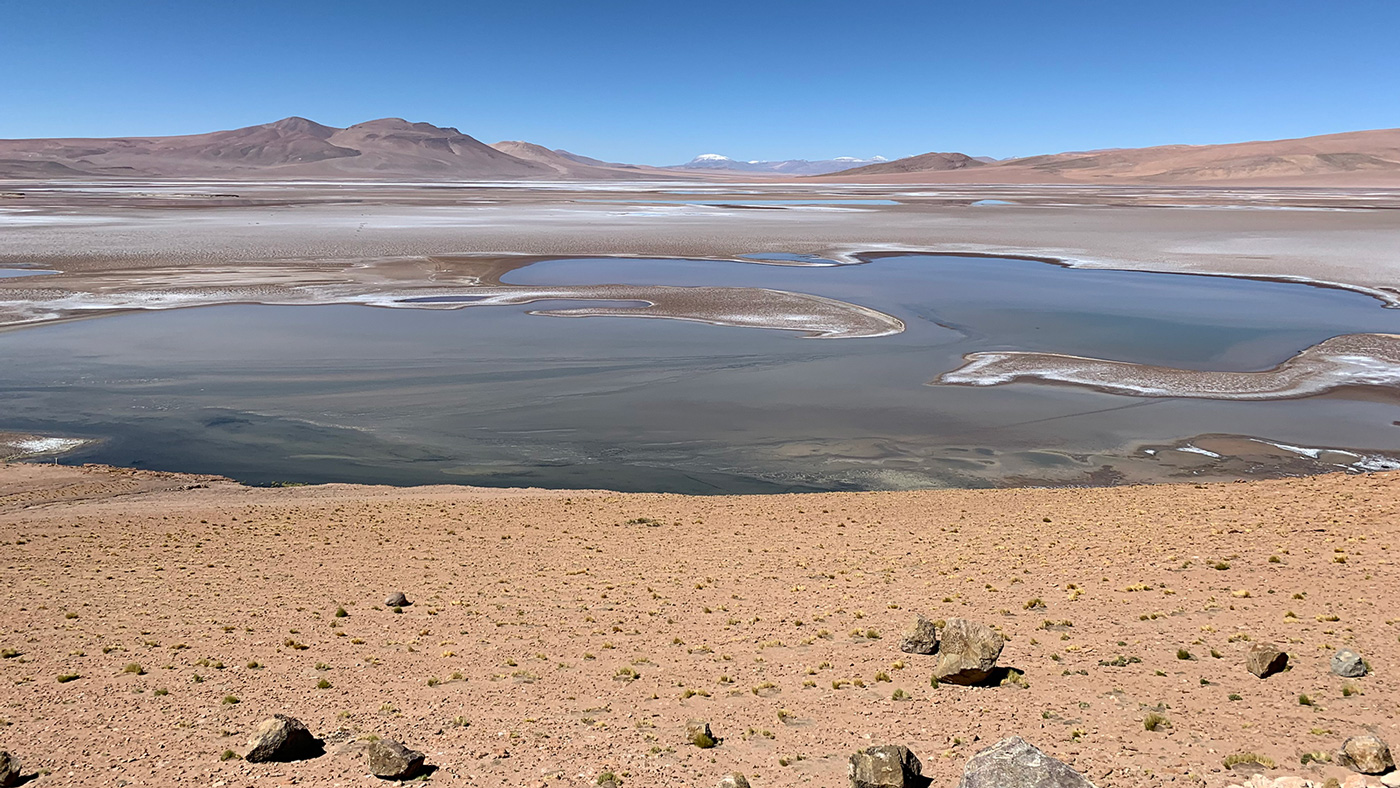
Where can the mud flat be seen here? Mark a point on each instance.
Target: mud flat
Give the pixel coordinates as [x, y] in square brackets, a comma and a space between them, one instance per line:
[1370, 361]
[775, 618]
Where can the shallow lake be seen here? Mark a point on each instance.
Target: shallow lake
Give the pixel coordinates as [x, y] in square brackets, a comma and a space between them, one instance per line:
[493, 395]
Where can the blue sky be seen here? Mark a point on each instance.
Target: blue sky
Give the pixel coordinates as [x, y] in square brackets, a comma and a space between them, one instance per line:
[658, 82]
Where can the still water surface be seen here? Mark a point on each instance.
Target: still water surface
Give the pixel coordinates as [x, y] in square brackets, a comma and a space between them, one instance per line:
[493, 395]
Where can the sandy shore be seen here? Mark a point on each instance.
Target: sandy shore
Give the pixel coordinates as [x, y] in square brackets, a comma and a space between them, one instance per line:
[775, 618]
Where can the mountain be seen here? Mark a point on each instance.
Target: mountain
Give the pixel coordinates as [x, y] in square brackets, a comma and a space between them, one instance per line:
[571, 166]
[714, 161]
[925, 162]
[1358, 158]
[289, 148]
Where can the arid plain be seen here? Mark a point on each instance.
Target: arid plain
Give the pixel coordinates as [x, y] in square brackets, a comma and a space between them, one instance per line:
[554, 636]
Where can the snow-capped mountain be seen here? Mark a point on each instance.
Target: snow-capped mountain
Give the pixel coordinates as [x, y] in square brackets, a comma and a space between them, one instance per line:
[715, 161]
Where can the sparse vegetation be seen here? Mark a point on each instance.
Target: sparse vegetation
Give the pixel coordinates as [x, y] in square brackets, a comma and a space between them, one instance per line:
[1249, 758]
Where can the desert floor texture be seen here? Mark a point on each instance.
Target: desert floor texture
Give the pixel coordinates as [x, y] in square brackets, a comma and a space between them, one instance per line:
[555, 635]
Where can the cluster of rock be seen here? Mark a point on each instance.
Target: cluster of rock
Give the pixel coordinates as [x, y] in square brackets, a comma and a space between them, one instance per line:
[282, 739]
[1009, 762]
[967, 651]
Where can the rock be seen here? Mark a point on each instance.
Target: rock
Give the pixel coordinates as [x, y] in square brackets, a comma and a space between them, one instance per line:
[733, 780]
[920, 638]
[281, 738]
[1366, 754]
[697, 732]
[968, 652]
[1015, 762]
[1265, 659]
[1348, 664]
[389, 760]
[890, 766]
[9, 770]
[1391, 780]
[397, 599]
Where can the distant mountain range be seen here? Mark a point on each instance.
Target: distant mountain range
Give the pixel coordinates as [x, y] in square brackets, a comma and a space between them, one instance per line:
[1358, 158]
[393, 148]
[714, 161]
[299, 148]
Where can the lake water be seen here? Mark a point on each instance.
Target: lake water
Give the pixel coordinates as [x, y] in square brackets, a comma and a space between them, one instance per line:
[493, 395]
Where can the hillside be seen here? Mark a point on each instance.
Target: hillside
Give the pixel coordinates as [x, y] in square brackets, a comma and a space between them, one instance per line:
[293, 147]
[572, 166]
[1360, 158]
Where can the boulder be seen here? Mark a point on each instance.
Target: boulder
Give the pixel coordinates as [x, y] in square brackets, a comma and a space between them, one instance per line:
[1015, 763]
[397, 599]
[890, 766]
[389, 760]
[9, 770]
[1265, 659]
[1348, 664]
[967, 653]
[920, 638]
[1366, 754]
[733, 780]
[281, 738]
[697, 732]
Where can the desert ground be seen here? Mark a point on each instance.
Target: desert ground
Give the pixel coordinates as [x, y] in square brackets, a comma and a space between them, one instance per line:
[151, 620]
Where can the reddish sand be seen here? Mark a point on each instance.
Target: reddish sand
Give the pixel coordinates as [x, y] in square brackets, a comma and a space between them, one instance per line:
[530, 606]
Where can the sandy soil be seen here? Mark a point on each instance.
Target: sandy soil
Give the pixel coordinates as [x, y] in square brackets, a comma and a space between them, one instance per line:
[753, 613]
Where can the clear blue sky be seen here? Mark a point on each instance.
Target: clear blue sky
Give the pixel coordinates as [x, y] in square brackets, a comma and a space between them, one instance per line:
[658, 82]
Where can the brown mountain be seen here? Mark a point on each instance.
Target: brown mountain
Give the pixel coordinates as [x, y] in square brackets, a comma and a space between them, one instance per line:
[1359, 158]
[290, 148]
[572, 166]
[924, 162]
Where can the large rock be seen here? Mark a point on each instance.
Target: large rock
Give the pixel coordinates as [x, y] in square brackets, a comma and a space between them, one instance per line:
[1265, 659]
[890, 766]
[281, 738]
[1366, 754]
[1015, 763]
[397, 599]
[920, 638]
[1348, 664]
[9, 770]
[390, 760]
[968, 652]
[733, 780]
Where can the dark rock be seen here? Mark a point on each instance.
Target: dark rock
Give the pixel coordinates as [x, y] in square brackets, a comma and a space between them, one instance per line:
[9, 770]
[967, 653]
[1265, 659]
[390, 760]
[733, 780]
[281, 738]
[697, 732]
[1366, 754]
[890, 766]
[1014, 763]
[397, 599]
[1348, 664]
[920, 638]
